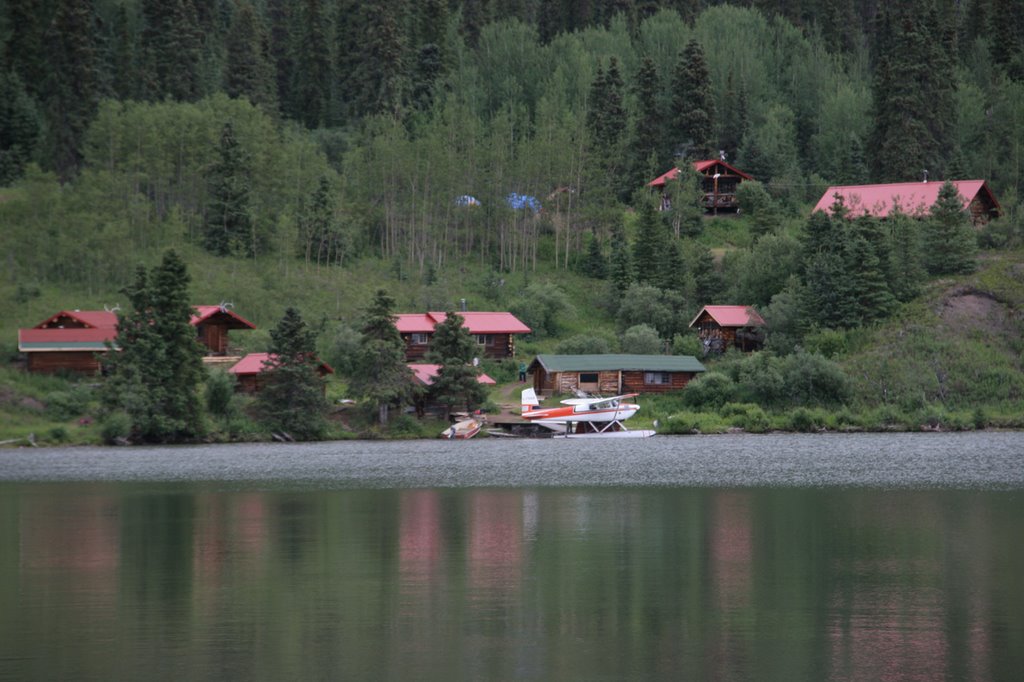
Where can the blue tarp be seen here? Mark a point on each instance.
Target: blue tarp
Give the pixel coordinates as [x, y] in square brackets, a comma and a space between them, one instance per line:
[517, 201]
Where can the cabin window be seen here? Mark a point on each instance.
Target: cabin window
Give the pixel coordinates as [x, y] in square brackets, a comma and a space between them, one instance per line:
[485, 339]
[657, 378]
[419, 339]
[589, 378]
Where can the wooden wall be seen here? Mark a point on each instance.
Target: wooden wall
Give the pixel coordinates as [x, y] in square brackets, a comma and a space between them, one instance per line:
[85, 362]
[565, 383]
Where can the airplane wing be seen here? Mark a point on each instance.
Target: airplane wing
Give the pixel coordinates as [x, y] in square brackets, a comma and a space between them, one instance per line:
[598, 401]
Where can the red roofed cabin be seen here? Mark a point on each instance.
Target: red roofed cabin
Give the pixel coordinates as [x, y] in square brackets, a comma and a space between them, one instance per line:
[721, 326]
[494, 332]
[212, 323]
[71, 339]
[249, 372]
[719, 183]
[913, 198]
[68, 341]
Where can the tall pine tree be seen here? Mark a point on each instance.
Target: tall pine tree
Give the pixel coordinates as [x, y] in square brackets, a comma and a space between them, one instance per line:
[380, 374]
[453, 347]
[229, 225]
[292, 398]
[693, 105]
[73, 85]
[248, 70]
[156, 374]
[950, 242]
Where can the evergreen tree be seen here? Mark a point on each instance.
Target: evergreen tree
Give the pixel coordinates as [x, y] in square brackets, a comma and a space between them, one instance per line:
[248, 71]
[906, 270]
[693, 106]
[229, 224]
[620, 270]
[708, 284]
[734, 121]
[19, 127]
[594, 264]
[123, 57]
[1007, 30]
[279, 14]
[606, 123]
[72, 88]
[172, 43]
[24, 53]
[648, 130]
[378, 82]
[913, 88]
[950, 242]
[651, 248]
[380, 374]
[312, 75]
[428, 70]
[323, 239]
[475, 15]
[867, 264]
[453, 348]
[292, 399]
[156, 374]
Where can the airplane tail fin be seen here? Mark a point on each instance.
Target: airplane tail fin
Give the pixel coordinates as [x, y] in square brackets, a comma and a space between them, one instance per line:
[530, 401]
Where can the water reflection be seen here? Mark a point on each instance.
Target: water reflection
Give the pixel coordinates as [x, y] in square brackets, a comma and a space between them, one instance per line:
[105, 581]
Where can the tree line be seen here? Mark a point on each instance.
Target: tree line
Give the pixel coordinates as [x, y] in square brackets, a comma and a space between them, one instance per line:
[245, 129]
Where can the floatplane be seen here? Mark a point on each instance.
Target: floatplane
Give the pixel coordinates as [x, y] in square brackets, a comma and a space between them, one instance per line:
[584, 417]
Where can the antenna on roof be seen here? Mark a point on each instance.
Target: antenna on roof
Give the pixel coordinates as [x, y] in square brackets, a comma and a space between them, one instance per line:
[925, 171]
[721, 155]
[116, 307]
[224, 305]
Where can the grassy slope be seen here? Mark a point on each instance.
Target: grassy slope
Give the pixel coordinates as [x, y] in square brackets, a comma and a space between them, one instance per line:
[942, 348]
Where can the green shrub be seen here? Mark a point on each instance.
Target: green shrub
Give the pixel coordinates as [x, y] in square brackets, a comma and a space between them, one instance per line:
[804, 420]
[711, 389]
[115, 426]
[65, 405]
[220, 390]
[58, 434]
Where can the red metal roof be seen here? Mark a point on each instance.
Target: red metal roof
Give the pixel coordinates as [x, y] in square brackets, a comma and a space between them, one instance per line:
[700, 167]
[426, 373]
[475, 322]
[205, 312]
[913, 198]
[96, 319]
[253, 364]
[76, 338]
[732, 316]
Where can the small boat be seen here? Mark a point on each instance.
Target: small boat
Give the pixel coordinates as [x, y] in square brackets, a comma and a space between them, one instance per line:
[461, 430]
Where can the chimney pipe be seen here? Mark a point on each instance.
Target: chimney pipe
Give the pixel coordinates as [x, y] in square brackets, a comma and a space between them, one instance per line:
[925, 171]
[462, 304]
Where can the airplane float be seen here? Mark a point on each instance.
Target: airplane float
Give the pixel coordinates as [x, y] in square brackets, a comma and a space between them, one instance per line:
[584, 417]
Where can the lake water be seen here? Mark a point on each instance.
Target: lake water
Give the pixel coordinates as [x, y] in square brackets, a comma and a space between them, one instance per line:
[734, 557]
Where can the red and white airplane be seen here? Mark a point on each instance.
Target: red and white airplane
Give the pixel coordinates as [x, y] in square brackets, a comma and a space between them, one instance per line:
[584, 417]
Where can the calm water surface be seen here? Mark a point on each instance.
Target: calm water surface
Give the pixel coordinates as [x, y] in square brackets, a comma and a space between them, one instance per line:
[860, 557]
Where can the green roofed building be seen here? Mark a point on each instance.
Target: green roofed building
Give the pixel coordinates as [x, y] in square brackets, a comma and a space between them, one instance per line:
[612, 374]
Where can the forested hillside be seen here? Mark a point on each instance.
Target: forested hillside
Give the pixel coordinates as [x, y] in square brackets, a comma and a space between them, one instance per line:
[305, 153]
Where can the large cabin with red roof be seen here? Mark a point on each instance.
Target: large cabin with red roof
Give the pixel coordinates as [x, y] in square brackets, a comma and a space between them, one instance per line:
[723, 326]
[72, 340]
[914, 199]
[720, 182]
[69, 341]
[494, 332]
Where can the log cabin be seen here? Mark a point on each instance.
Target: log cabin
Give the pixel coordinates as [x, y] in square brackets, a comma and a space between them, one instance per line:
[914, 199]
[70, 341]
[612, 374]
[720, 182]
[73, 340]
[250, 372]
[494, 332]
[723, 326]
